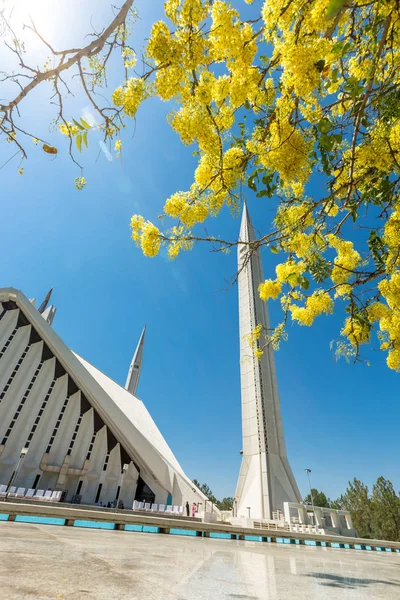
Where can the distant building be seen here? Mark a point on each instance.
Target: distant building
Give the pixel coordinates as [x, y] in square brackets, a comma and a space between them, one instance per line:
[66, 426]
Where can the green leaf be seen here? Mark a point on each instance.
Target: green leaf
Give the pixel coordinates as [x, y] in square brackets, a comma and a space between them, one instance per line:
[334, 75]
[85, 140]
[263, 193]
[337, 48]
[78, 140]
[334, 8]
[293, 279]
[79, 126]
[305, 284]
[354, 87]
[85, 124]
[274, 250]
[326, 142]
[267, 178]
[346, 48]
[325, 125]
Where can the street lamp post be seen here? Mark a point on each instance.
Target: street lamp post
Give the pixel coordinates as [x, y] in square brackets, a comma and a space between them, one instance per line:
[123, 471]
[308, 471]
[14, 477]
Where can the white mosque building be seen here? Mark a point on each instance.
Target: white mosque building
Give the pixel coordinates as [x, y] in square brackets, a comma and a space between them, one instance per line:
[66, 426]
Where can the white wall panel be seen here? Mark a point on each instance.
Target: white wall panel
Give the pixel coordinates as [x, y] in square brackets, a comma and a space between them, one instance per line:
[96, 465]
[7, 325]
[112, 476]
[25, 421]
[13, 353]
[45, 428]
[65, 430]
[19, 385]
[34, 401]
[82, 441]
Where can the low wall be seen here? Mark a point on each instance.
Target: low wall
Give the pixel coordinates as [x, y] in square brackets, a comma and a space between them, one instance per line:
[70, 514]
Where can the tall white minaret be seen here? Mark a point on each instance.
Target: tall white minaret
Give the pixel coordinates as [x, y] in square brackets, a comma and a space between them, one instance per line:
[132, 380]
[265, 479]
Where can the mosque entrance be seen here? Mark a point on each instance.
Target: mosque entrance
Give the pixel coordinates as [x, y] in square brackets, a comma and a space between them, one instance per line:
[143, 492]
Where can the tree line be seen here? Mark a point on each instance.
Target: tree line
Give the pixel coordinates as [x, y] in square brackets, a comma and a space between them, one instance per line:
[375, 513]
[224, 504]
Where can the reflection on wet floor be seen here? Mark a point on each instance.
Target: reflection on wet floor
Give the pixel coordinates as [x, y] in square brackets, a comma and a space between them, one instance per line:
[100, 564]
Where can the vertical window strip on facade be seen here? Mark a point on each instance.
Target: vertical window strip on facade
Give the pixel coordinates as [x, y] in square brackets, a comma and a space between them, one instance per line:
[90, 449]
[107, 458]
[40, 413]
[74, 435]
[36, 482]
[8, 342]
[21, 404]
[13, 374]
[57, 425]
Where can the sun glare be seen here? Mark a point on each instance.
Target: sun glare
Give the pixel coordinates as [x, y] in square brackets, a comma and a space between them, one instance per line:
[43, 13]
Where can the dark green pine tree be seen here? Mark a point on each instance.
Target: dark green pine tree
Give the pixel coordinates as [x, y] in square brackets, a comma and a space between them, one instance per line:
[385, 511]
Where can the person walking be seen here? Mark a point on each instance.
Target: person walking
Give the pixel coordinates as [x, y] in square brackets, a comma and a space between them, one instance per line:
[194, 509]
[187, 509]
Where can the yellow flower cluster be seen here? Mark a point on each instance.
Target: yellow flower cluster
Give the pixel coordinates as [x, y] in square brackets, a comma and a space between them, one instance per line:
[130, 58]
[255, 336]
[356, 331]
[69, 129]
[225, 32]
[316, 304]
[290, 271]
[285, 151]
[345, 263]
[269, 289]
[300, 244]
[232, 169]
[80, 183]
[178, 242]
[377, 311]
[391, 238]
[389, 318]
[131, 96]
[294, 216]
[331, 209]
[162, 47]
[390, 290]
[147, 235]
[299, 60]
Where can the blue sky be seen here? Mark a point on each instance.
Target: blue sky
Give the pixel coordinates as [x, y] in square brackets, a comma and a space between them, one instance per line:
[340, 420]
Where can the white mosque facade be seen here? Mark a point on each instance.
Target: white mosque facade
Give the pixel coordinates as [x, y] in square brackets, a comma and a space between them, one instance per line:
[66, 426]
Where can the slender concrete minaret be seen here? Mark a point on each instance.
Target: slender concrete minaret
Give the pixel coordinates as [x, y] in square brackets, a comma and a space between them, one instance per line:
[266, 479]
[136, 365]
[49, 313]
[45, 302]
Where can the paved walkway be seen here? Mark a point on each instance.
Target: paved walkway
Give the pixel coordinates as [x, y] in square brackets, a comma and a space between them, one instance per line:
[38, 562]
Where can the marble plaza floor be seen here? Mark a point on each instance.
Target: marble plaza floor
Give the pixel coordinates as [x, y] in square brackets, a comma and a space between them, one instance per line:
[43, 561]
